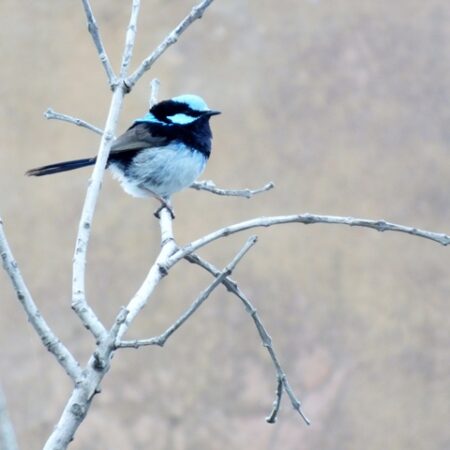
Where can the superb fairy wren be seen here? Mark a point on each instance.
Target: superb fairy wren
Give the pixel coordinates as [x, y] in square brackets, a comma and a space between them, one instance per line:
[160, 154]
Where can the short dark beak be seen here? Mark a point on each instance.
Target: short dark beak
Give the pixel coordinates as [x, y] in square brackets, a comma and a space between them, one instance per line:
[211, 113]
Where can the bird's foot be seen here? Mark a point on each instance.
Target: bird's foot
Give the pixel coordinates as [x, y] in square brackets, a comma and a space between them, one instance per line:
[164, 204]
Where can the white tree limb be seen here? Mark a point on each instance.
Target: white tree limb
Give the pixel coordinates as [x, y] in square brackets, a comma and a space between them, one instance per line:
[154, 91]
[172, 38]
[50, 114]
[48, 338]
[95, 33]
[81, 398]
[87, 381]
[220, 277]
[379, 225]
[130, 39]
[282, 381]
[79, 303]
[209, 186]
[155, 274]
[7, 436]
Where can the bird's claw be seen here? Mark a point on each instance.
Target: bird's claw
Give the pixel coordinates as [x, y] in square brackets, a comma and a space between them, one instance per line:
[157, 213]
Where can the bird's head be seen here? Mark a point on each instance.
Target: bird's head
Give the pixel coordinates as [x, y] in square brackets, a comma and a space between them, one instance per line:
[181, 110]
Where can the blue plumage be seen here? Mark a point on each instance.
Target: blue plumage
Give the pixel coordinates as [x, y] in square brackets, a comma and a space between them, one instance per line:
[161, 153]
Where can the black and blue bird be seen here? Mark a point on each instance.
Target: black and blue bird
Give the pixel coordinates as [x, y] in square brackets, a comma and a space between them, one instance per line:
[160, 154]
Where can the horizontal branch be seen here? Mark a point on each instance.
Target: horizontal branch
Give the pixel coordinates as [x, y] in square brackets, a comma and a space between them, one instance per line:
[307, 219]
[50, 114]
[48, 338]
[210, 186]
[161, 339]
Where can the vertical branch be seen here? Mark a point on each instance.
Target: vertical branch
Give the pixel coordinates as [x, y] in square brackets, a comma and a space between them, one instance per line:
[7, 435]
[130, 39]
[172, 38]
[226, 272]
[79, 303]
[154, 91]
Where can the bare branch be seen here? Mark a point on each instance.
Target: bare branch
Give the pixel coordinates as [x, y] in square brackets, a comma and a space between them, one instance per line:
[155, 274]
[379, 225]
[209, 186]
[296, 404]
[130, 39]
[172, 38]
[48, 338]
[232, 287]
[51, 114]
[95, 33]
[7, 436]
[272, 417]
[154, 91]
[79, 303]
[161, 340]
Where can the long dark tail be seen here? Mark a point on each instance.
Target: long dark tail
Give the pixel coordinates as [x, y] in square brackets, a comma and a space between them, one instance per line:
[61, 167]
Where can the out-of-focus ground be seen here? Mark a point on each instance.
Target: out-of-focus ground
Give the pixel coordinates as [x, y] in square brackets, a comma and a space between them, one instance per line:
[345, 106]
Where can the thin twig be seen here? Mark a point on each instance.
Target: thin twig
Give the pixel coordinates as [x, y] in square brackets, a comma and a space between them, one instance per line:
[154, 91]
[54, 115]
[232, 287]
[272, 417]
[161, 339]
[172, 38]
[51, 114]
[48, 338]
[95, 33]
[130, 39]
[379, 225]
[209, 186]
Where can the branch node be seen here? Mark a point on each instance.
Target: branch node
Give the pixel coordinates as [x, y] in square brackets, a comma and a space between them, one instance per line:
[163, 270]
[99, 362]
[126, 87]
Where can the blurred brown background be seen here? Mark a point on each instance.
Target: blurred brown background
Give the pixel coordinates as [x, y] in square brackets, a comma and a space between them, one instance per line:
[345, 106]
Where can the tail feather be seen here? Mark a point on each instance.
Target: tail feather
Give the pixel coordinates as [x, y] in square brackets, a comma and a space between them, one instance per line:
[60, 167]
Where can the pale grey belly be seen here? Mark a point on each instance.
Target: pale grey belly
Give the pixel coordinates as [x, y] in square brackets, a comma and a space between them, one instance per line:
[161, 171]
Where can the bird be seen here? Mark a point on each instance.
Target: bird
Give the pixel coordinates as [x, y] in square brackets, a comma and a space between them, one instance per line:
[160, 154]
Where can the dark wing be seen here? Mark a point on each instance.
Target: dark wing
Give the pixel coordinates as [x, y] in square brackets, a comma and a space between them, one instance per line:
[135, 138]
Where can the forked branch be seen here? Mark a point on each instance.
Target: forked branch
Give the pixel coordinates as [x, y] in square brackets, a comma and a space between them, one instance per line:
[221, 276]
[95, 33]
[282, 381]
[172, 38]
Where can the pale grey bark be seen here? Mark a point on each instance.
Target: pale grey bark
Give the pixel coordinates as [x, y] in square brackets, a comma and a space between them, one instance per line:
[87, 379]
[7, 436]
